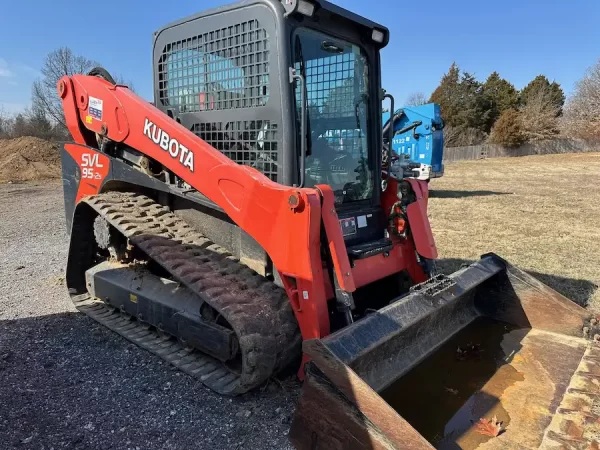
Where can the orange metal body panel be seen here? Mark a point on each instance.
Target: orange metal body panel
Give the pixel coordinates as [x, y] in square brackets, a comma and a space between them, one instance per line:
[419, 222]
[424, 243]
[308, 297]
[285, 221]
[94, 167]
[251, 200]
[366, 271]
[389, 196]
[335, 239]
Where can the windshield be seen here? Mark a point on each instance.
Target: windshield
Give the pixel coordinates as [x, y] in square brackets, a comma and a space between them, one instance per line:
[336, 74]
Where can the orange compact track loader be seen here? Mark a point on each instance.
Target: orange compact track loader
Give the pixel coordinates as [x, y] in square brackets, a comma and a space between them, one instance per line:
[249, 223]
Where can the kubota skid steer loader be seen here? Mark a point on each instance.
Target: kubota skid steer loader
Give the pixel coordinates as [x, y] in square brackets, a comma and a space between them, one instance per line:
[248, 212]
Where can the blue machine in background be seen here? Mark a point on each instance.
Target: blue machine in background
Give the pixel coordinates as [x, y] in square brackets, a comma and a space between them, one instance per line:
[418, 143]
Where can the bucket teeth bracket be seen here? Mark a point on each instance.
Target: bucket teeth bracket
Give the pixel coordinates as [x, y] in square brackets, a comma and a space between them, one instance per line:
[435, 287]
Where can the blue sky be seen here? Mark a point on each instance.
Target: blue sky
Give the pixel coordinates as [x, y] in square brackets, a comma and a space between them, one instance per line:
[518, 38]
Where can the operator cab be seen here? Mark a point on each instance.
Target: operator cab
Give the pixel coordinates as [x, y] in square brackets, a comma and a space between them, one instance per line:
[289, 87]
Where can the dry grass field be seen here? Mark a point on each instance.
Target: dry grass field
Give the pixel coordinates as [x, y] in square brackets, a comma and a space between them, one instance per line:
[541, 213]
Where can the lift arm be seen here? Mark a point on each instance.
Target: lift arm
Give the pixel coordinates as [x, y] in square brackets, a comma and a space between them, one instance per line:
[284, 220]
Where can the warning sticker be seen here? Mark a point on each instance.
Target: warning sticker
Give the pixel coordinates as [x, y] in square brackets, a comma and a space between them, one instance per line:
[348, 226]
[95, 108]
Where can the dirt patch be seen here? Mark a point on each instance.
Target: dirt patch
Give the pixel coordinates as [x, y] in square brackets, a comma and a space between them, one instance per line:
[538, 212]
[28, 158]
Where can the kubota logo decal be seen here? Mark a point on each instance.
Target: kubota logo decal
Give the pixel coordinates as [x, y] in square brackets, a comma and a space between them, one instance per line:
[168, 144]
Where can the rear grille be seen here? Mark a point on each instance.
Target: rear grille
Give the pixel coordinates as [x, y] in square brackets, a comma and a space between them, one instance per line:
[221, 69]
[252, 143]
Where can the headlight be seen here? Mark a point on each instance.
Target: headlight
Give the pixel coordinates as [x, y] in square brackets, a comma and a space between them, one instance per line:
[305, 7]
[378, 36]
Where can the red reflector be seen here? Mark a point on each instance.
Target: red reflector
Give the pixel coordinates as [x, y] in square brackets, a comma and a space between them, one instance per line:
[400, 225]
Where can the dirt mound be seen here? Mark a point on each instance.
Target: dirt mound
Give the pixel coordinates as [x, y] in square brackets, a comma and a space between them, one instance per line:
[28, 158]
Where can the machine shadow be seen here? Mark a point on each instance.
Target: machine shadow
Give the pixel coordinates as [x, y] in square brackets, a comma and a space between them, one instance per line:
[442, 193]
[578, 290]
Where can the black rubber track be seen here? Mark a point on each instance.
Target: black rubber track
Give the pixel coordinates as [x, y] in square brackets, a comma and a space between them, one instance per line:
[257, 310]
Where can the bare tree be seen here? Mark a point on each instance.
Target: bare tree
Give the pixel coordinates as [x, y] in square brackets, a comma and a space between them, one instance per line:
[539, 116]
[416, 99]
[29, 122]
[57, 64]
[6, 123]
[581, 118]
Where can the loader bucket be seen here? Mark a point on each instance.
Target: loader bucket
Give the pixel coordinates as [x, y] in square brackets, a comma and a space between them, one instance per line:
[487, 358]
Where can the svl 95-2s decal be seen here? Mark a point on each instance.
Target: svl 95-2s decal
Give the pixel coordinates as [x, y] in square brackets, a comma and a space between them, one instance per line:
[89, 162]
[93, 166]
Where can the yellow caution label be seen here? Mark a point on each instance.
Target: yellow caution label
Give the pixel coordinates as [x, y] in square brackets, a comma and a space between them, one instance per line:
[133, 298]
[88, 119]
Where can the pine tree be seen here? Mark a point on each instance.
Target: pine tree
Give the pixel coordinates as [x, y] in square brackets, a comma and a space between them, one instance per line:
[39, 125]
[464, 107]
[474, 105]
[444, 95]
[20, 126]
[501, 94]
[556, 96]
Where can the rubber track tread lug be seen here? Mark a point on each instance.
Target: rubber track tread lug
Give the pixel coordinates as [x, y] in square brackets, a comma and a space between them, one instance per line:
[257, 310]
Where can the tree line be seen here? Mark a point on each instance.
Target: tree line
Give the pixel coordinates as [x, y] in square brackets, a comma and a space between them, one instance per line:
[45, 118]
[474, 112]
[31, 122]
[495, 111]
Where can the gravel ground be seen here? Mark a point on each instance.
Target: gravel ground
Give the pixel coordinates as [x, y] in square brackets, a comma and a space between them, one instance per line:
[67, 382]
